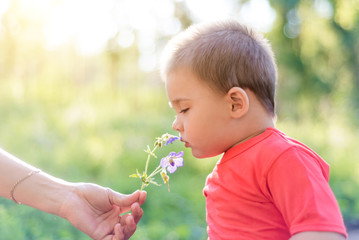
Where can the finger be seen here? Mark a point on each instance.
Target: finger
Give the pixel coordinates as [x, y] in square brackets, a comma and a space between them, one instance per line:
[119, 235]
[137, 212]
[130, 227]
[142, 198]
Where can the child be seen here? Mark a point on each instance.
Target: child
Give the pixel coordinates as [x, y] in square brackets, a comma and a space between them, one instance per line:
[220, 79]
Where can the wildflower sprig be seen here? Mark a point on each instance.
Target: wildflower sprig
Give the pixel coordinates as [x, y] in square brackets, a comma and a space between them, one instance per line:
[168, 163]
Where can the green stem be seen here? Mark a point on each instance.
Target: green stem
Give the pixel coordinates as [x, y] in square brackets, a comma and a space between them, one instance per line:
[147, 162]
[148, 158]
[157, 170]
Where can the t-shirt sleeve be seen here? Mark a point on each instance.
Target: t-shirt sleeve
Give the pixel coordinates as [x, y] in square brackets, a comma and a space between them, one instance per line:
[299, 189]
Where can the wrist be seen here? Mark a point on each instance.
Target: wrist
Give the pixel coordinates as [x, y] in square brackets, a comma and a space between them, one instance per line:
[68, 201]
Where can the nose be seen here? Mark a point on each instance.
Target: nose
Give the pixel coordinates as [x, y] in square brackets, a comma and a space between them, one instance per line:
[176, 125]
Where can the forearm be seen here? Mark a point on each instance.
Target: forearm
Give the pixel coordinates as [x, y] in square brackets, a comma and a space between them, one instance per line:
[40, 190]
[97, 208]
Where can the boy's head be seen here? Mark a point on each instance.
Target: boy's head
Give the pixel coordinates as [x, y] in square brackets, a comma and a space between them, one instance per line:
[220, 80]
[225, 55]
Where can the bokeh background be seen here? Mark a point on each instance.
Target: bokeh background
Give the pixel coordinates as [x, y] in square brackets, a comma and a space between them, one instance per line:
[81, 97]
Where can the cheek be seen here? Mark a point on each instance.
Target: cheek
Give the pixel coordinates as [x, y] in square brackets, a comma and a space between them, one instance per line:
[193, 126]
[209, 123]
[198, 125]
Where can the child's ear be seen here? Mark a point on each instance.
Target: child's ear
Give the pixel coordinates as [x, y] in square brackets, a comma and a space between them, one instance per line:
[239, 101]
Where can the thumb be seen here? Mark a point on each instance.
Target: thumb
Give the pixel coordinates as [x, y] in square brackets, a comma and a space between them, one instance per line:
[124, 200]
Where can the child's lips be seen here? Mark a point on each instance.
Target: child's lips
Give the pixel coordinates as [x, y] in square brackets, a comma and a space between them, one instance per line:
[186, 144]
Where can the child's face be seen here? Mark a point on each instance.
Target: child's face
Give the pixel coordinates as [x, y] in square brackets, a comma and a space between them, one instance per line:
[202, 114]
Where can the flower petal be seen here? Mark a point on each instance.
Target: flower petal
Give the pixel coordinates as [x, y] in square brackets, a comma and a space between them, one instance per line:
[164, 162]
[179, 154]
[171, 169]
[178, 162]
[172, 154]
[171, 140]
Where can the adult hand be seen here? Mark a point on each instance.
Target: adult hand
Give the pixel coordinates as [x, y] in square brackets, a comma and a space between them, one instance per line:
[96, 211]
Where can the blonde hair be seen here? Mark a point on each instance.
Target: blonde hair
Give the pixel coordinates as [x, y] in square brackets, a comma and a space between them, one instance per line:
[225, 54]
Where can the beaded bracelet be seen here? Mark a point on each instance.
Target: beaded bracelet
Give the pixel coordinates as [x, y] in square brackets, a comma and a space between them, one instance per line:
[19, 181]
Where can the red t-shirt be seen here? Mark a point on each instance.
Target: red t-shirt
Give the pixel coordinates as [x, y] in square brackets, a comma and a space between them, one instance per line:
[270, 187]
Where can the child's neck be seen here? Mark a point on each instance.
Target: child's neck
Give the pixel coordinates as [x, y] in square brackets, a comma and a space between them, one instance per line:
[256, 121]
[252, 136]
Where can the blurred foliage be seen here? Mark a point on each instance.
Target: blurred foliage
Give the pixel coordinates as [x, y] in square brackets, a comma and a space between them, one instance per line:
[88, 118]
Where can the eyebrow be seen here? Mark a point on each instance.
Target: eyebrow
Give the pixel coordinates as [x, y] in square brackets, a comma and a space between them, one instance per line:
[177, 101]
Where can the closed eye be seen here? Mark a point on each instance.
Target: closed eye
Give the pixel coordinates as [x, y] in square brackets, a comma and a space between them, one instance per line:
[184, 110]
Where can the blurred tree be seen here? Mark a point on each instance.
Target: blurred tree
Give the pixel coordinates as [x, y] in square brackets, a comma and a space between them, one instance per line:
[317, 47]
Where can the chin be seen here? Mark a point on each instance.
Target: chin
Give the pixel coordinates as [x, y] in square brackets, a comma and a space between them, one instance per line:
[197, 154]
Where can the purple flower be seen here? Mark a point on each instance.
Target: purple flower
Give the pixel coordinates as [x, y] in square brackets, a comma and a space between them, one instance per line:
[172, 161]
[171, 140]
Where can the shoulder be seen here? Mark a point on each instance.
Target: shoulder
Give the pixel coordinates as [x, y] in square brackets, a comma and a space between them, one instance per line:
[281, 150]
[270, 152]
